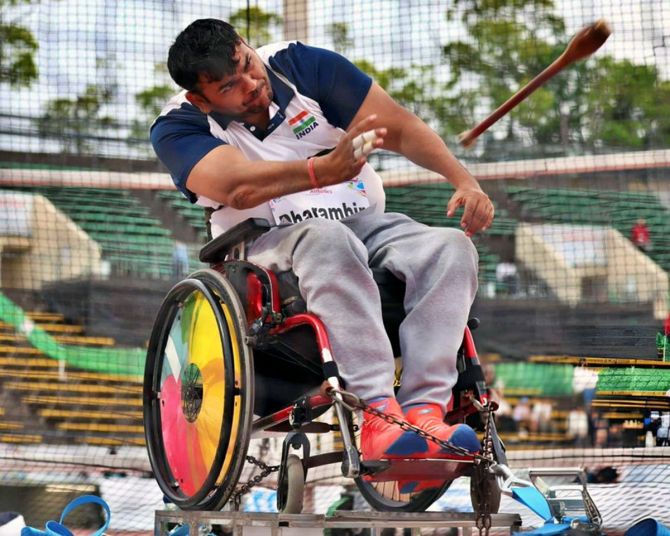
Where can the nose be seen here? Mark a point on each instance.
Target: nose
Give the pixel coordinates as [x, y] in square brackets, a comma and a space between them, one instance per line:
[250, 83]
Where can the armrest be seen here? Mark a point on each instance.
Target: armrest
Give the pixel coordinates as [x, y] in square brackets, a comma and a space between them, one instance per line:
[215, 250]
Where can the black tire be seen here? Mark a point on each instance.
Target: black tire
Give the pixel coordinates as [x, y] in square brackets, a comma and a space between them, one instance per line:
[385, 496]
[198, 392]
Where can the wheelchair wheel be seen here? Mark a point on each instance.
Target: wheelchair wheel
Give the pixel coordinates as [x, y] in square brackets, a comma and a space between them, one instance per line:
[386, 496]
[198, 392]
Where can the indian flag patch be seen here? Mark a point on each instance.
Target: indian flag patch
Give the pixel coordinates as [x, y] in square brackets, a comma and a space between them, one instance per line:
[303, 124]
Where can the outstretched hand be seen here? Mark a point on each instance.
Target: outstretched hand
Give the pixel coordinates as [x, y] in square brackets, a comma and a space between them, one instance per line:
[350, 154]
[478, 209]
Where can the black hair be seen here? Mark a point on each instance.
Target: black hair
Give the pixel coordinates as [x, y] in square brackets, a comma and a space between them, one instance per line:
[206, 47]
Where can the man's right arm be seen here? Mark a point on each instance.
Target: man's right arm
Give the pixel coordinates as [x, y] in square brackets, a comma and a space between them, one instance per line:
[225, 175]
[209, 167]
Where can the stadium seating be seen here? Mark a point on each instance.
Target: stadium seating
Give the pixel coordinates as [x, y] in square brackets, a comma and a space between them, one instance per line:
[193, 214]
[631, 381]
[427, 203]
[134, 242]
[64, 403]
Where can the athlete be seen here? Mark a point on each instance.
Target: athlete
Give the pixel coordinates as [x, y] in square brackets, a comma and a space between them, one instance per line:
[282, 133]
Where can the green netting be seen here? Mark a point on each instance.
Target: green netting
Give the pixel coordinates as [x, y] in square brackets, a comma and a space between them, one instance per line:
[634, 379]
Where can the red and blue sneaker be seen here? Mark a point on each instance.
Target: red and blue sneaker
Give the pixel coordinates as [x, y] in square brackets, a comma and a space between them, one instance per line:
[383, 440]
[430, 418]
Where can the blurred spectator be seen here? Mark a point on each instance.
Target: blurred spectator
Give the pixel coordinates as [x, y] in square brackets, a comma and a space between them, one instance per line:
[578, 427]
[662, 439]
[615, 435]
[540, 417]
[641, 236]
[521, 415]
[507, 278]
[504, 420]
[179, 259]
[495, 386]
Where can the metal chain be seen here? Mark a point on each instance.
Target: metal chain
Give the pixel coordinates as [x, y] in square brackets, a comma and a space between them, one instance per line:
[483, 521]
[245, 488]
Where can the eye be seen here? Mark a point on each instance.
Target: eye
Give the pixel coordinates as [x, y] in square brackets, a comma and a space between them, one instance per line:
[248, 63]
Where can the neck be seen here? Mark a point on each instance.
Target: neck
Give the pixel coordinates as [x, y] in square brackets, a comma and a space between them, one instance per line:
[260, 119]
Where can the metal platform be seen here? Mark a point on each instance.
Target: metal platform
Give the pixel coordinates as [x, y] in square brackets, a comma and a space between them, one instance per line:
[268, 524]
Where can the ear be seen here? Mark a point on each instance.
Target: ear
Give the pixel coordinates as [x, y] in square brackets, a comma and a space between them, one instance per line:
[198, 101]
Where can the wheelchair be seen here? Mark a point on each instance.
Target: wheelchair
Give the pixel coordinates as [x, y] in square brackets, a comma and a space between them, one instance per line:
[234, 353]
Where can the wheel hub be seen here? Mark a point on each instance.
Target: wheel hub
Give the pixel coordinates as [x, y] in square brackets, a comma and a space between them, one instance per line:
[191, 392]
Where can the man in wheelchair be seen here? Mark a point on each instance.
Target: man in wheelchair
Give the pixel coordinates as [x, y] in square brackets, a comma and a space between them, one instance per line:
[282, 133]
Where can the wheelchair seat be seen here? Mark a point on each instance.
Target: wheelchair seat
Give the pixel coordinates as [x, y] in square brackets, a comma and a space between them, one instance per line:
[279, 386]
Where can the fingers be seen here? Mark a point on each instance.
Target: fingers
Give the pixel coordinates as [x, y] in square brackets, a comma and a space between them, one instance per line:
[366, 142]
[453, 205]
[361, 126]
[477, 216]
[365, 139]
[467, 221]
[478, 211]
[351, 152]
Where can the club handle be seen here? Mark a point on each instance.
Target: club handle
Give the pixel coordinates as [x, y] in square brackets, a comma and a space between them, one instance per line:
[582, 45]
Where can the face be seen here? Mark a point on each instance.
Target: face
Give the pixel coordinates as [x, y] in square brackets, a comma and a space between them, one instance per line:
[244, 94]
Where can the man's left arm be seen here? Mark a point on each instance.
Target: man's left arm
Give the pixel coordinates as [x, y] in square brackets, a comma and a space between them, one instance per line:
[411, 137]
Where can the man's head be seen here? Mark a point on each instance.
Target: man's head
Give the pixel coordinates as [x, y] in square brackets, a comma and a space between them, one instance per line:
[219, 70]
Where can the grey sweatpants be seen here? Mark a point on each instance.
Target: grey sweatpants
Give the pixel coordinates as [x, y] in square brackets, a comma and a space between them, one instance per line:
[332, 260]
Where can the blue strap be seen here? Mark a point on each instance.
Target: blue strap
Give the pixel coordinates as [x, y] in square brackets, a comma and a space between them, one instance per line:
[56, 528]
[30, 531]
[86, 499]
[533, 499]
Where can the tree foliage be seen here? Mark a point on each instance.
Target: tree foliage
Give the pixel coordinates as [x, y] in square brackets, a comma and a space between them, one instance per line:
[339, 33]
[18, 47]
[76, 121]
[594, 105]
[255, 24]
[150, 101]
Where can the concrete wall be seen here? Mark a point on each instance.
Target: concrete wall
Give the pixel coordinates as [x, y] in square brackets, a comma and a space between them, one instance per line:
[625, 273]
[58, 250]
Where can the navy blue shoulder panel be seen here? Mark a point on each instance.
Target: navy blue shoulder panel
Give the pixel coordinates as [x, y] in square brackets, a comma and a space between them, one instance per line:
[181, 138]
[327, 77]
